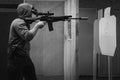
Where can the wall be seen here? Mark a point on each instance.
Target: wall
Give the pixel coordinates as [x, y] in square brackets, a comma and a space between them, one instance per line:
[6, 18]
[47, 47]
[85, 41]
[7, 14]
[10, 1]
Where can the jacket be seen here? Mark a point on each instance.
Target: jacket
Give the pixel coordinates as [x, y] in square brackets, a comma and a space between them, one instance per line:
[19, 36]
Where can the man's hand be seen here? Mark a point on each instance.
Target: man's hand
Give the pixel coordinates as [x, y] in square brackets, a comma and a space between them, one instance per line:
[40, 24]
[37, 26]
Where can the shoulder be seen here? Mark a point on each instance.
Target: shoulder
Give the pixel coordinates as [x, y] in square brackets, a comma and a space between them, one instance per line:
[17, 22]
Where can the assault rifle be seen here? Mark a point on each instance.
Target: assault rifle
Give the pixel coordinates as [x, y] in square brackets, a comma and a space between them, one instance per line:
[49, 18]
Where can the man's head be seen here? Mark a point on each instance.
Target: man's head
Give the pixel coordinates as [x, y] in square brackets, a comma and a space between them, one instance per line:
[24, 10]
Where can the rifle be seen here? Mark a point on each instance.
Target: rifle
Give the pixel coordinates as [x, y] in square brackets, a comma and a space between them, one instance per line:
[49, 18]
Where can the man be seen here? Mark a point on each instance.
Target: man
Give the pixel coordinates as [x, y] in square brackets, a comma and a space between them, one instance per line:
[19, 62]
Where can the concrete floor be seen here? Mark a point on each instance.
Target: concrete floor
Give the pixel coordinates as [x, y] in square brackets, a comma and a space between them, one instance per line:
[98, 78]
[50, 78]
[80, 78]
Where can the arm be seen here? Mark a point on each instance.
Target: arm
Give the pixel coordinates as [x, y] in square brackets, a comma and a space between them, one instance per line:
[26, 34]
[35, 29]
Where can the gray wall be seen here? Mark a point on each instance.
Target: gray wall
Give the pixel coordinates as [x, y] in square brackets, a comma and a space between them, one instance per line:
[5, 20]
[47, 47]
[10, 1]
[85, 41]
[4, 33]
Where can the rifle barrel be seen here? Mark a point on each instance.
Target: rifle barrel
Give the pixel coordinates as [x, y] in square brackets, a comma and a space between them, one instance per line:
[80, 18]
[40, 13]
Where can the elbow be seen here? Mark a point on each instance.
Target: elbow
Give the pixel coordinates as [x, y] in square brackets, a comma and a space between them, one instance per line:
[28, 36]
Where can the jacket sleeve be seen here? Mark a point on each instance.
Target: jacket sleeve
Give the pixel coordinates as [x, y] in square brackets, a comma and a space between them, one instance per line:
[23, 31]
